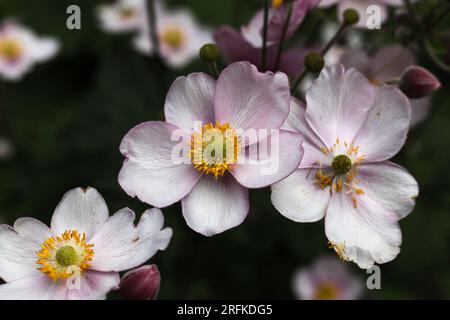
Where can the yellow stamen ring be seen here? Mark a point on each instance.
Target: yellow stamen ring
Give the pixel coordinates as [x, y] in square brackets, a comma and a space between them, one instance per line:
[64, 256]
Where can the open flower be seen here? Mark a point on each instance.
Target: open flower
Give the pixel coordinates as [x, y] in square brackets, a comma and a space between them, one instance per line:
[246, 44]
[80, 256]
[220, 161]
[180, 36]
[20, 49]
[361, 7]
[327, 279]
[123, 16]
[351, 128]
[387, 64]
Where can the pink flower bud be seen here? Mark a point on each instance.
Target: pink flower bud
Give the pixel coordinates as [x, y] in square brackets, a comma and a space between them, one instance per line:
[141, 283]
[417, 82]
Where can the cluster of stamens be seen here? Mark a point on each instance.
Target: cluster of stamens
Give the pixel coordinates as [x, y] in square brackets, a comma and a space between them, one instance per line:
[64, 256]
[10, 49]
[214, 148]
[343, 170]
[173, 37]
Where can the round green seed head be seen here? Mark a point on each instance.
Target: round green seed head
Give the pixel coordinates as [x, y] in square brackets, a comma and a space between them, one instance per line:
[351, 17]
[66, 256]
[209, 52]
[341, 164]
[314, 62]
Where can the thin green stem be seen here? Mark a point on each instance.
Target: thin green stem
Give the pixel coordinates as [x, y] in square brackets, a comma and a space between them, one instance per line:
[213, 69]
[283, 35]
[299, 79]
[438, 19]
[265, 27]
[333, 40]
[152, 24]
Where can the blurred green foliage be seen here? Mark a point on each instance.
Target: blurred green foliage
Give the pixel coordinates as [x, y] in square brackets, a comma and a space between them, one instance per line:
[66, 120]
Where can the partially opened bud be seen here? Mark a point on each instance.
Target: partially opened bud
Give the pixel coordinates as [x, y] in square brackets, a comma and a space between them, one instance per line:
[141, 283]
[417, 82]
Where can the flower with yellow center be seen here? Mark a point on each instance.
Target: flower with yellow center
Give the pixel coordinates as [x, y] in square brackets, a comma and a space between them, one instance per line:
[127, 12]
[327, 291]
[215, 148]
[173, 37]
[10, 49]
[66, 255]
[352, 128]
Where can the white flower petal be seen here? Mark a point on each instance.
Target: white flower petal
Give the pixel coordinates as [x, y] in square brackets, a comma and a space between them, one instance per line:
[149, 170]
[270, 160]
[215, 205]
[384, 132]
[299, 197]
[32, 229]
[17, 255]
[248, 99]
[80, 209]
[368, 234]
[191, 99]
[338, 103]
[390, 186]
[38, 287]
[120, 245]
[94, 285]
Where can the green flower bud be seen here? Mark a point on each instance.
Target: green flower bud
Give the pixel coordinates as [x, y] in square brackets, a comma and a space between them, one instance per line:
[209, 52]
[314, 62]
[351, 17]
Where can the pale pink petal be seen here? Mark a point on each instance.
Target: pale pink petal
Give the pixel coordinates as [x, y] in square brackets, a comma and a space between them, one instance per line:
[120, 245]
[390, 62]
[270, 160]
[32, 229]
[386, 127]
[248, 99]
[327, 3]
[278, 19]
[395, 3]
[215, 205]
[234, 47]
[83, 210]
[338, 103]
[390, 186]
[361, 7]
[327, 270]
[292, 61]
[149, 170]
[94, 285]
[359, 60]
[17, 255]
[299, 197]
[252, 31]
[367, 234]
[190, 99]
[420, 110]
[38, 287]
[44, 49]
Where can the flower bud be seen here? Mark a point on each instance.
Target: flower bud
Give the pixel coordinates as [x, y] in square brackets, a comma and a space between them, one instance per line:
[209, 52]
[351, 17]
[417, 82]
[141, 283]
[314, 62]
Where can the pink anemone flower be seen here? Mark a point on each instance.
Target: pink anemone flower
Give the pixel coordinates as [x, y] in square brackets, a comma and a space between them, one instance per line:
[81, 255]
[351, 129]
[213, 185]
[246, 44]
[327, 278]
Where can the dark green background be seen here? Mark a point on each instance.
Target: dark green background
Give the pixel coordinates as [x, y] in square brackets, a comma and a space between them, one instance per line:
[66, 120]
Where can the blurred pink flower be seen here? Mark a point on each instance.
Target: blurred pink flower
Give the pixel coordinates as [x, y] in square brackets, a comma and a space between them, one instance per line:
[386, 64]
[214, 192]
[180, 36]
[20, 49]
[82, 253]
[123, 16]
[351, 129]
[361, 7]
[327, 278]
[246, 44]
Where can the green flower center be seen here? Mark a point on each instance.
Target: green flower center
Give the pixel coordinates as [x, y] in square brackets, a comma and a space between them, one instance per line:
[341, 164]
[67, 256]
